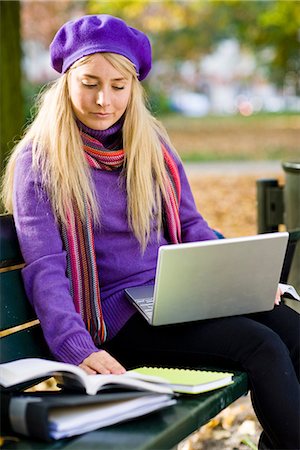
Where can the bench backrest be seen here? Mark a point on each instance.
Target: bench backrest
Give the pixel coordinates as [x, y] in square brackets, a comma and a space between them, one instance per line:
[21, 334]
[294, 241]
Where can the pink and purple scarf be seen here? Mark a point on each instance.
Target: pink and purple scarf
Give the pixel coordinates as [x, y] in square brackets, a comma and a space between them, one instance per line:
[78, 237]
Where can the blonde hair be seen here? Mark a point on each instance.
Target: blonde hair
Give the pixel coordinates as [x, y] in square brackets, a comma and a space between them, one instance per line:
[58, 157]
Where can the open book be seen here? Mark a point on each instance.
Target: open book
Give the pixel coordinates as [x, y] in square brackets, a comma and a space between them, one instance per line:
[188, 381]
[16, 373]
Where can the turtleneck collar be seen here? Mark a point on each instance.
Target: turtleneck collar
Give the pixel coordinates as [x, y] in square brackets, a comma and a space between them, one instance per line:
[111, 138]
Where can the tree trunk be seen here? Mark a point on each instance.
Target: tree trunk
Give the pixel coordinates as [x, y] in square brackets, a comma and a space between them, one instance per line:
[12, 114]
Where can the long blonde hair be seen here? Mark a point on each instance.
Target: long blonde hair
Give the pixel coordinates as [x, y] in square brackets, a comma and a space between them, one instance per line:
[58, 158]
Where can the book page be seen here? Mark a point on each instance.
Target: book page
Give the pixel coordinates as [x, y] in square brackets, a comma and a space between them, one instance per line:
[126, 381]
[22, 370]
[69, 422]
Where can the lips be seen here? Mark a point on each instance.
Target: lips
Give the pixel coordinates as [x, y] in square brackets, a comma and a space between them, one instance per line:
[102, 115]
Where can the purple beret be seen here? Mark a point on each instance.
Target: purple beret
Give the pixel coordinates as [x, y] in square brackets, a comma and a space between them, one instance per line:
[98, 34]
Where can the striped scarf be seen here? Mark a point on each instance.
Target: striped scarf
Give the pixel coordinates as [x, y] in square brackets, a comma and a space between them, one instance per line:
[78, 237]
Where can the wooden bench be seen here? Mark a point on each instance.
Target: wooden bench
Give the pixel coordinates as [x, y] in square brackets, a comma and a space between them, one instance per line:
[161, 430]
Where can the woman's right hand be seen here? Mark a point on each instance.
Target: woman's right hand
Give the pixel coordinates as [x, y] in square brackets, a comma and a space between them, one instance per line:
[101, 362]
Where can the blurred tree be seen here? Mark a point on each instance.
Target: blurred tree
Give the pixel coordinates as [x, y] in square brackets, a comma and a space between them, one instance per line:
[11, 95]
[42, 19]
[269, 28]
[280, 27]
[184, 29]
[181, 23]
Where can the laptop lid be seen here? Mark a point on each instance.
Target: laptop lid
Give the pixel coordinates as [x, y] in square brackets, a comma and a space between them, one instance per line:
[217, 278]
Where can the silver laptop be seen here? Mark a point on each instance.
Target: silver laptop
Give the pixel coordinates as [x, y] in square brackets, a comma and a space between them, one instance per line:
[209, 279]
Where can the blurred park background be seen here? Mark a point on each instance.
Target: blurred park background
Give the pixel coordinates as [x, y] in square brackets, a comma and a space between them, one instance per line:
[225, 82]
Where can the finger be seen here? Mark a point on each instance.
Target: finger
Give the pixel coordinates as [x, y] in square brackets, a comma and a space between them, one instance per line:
[277, 300]
[99, 367]
[111, 364]
[102, 362]
[87, 369]
[115, 367]
[94, 368]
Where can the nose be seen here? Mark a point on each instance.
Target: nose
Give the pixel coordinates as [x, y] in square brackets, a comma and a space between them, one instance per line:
[103, 98]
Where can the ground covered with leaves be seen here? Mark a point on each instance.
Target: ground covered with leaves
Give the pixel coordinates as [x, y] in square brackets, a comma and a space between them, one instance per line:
[235, 428]
[228, 202]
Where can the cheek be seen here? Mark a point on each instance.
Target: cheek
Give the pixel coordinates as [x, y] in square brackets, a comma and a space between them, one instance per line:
[123, 102]
[76, 95]
[79, 100]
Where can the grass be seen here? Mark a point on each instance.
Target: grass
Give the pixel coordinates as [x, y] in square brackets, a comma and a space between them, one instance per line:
[176, 119]
[210, 156]
[215, 155]
[235, 138]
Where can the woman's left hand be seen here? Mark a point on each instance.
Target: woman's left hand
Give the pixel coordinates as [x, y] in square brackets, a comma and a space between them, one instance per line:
[278, 296]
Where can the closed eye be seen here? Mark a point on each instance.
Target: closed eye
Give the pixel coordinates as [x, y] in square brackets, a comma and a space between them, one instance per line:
[89, 85]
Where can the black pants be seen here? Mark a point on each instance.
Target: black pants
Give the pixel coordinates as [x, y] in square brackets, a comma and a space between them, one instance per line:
[265, 345]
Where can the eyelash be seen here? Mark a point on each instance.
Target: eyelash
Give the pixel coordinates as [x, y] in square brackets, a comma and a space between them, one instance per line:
[91, 86]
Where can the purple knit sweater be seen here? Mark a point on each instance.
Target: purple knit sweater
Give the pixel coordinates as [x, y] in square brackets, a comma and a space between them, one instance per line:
[119, 259]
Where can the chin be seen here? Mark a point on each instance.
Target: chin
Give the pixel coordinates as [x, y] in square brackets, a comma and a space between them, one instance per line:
[101, 125]
[98, 126]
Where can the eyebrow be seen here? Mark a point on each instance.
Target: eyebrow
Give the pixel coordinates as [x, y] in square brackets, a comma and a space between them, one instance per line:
[97, 78]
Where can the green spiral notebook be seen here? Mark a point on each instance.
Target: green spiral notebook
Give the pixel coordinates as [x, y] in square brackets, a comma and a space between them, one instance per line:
[188, 381]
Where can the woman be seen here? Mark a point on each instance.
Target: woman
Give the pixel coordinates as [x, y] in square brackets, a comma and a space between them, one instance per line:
[96, 188]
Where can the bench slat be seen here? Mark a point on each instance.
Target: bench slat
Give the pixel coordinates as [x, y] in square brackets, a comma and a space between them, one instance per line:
[9, 245]
[15, 307]
[15, 443]
[28, 343]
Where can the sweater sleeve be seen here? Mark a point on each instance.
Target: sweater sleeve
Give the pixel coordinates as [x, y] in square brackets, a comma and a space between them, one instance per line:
[193, 226]
[44, 274]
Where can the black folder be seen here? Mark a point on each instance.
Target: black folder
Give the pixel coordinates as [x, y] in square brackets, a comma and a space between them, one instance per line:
[28, 413]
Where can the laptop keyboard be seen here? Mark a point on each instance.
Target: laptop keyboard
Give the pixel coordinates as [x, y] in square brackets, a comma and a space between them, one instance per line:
[146, 304]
